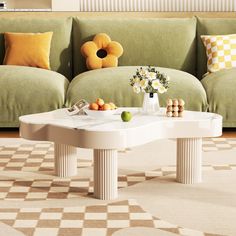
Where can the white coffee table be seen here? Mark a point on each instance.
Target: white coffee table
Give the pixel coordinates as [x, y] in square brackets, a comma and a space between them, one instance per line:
[105, 137]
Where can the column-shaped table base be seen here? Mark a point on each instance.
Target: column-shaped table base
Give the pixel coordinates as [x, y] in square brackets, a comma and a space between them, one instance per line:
[189, 160]
[105, 174]
[65, 160]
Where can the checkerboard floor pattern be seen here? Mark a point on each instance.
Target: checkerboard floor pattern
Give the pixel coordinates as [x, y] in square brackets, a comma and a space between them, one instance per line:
[39, 157]
[30, 157]
[48, 189]
[218, 144]
[97, 220]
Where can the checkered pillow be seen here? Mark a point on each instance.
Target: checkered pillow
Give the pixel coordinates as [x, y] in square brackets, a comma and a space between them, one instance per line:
[220, 50]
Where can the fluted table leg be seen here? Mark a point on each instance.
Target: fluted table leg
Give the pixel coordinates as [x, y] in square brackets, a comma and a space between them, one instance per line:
[189, 160]
[105, 174]
[65, 160]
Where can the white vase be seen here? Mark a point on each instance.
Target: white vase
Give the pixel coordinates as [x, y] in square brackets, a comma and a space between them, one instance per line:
[150, 103]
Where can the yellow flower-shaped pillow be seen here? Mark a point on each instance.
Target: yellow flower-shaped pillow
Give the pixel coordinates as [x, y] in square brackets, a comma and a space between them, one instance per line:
[101, 52]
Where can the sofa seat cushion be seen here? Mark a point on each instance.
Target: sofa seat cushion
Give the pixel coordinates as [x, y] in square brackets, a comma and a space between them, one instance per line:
[112, 84]
[220, 88]
[27, 90]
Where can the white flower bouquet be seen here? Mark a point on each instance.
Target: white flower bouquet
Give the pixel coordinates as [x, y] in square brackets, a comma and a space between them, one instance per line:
[149, 80]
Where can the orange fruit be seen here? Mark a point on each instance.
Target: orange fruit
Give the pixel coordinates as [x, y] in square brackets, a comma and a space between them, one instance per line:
[113, 106]
[93, 106]
[100, 102]
[106, 107]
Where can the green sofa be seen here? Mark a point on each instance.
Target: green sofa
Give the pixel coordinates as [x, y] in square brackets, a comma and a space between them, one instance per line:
[26, 90]
[173, 45]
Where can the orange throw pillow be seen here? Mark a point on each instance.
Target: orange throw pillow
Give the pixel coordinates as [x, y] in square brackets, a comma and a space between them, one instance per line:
[28, 49]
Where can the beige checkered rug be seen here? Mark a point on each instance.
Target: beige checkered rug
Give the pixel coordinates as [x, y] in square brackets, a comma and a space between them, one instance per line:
[218, 144]
[38, 157]
[19, 158]
[98, 220]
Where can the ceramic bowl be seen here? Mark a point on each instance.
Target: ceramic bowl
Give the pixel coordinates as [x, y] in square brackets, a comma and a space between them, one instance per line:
[100, 114]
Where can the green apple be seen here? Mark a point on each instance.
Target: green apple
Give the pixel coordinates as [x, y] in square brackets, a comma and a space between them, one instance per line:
[126, 116]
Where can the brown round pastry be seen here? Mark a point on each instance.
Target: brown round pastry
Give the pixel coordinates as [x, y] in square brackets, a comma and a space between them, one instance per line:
[176, 108]
[175, 114]
[181, 108]
[181, 102]
[169, 114]
[169, 109]
[169, 102]
[181, 114]
[175, 102]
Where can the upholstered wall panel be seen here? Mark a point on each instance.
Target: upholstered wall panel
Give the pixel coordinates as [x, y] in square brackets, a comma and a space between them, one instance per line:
[157, 5]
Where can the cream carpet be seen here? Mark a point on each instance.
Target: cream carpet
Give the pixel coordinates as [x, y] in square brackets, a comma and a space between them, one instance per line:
[35, 202]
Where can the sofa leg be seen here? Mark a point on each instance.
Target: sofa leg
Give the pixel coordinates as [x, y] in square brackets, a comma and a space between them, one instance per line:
[65, 160]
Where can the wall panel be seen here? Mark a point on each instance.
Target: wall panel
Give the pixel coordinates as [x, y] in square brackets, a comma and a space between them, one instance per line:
[158, 5]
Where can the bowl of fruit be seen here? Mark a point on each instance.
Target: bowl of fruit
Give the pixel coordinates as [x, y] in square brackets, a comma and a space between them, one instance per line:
[100, 109]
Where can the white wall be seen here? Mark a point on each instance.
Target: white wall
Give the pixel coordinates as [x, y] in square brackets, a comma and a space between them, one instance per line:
[10, 3]
[66, 5]
[31, 4]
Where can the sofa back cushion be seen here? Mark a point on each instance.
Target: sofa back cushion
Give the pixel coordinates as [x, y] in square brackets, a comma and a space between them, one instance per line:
[158, 42]
[211, 26]
[61, 50]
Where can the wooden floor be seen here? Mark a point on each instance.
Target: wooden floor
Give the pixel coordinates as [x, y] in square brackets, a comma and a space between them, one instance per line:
[9, 133]
[14, 133]
[229, 133]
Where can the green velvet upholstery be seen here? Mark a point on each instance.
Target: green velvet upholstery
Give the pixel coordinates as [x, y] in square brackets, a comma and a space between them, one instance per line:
[208, 26]
[26, 90]
[220, 88]
[61, 50]
[112, 84]
[159, 42]
[170, 43]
